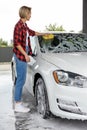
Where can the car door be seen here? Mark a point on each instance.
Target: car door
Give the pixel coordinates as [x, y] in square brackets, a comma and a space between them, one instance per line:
[30, 68]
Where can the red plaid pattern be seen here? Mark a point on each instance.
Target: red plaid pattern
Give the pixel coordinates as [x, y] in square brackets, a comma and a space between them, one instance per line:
[19, 38]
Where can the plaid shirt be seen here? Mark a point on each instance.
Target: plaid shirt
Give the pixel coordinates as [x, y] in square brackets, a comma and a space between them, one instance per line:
[19, 38]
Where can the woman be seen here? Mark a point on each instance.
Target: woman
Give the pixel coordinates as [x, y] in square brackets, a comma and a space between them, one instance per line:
[22, 50]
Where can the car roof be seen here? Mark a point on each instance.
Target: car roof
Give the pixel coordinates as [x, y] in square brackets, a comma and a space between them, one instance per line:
[62, 32]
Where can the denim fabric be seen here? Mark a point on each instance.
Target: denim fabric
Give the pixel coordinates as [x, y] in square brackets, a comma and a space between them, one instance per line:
[21, 68]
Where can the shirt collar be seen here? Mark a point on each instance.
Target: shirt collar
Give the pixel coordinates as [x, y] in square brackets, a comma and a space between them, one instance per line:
[21, 22]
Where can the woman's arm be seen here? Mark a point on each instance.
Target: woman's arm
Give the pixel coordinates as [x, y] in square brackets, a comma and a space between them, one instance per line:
[38, 33]
[19, 47]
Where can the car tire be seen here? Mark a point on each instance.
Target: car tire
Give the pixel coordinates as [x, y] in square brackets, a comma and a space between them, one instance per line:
[14, 78]
[41, 97]
[14, 81]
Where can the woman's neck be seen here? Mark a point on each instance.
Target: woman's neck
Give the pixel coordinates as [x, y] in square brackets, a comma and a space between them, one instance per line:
[23, 20]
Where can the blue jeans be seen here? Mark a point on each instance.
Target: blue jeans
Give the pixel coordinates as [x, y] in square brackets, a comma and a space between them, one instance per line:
[21, 68]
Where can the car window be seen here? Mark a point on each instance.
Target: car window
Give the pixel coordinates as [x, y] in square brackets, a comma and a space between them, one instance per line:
[63, 43]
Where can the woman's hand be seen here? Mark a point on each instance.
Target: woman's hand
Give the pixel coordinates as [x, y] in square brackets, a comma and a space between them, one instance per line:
[27, 58]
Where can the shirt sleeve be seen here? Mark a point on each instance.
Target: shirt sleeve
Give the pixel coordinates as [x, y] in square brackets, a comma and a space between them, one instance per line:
[17, 36]
[31, 32]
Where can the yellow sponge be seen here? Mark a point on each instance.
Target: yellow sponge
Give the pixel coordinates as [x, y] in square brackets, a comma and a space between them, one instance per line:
[48, 36]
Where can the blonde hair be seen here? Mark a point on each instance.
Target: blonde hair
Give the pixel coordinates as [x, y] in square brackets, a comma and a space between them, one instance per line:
[23, 11]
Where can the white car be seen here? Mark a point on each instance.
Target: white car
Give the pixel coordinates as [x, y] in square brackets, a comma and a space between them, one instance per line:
[58, 77]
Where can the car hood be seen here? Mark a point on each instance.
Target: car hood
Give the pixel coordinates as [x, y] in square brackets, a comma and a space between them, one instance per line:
[74, 62]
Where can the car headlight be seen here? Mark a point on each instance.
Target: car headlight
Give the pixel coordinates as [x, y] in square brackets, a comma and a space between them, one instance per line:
[60, 76]
[70, 79]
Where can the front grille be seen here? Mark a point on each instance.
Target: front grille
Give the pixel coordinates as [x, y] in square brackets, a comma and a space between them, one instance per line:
[69, 106]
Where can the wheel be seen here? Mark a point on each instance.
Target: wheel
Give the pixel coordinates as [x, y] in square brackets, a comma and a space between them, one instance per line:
[14, 77]
[41, 98]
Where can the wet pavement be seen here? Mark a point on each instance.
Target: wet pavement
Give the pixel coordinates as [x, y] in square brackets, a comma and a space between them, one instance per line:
[7, 119]
[32, 120]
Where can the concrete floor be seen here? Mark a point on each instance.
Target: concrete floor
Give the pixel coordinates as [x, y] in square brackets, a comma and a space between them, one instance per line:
[7, 118]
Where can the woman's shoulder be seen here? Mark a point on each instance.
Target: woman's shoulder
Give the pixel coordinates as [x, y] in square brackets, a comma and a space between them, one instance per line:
[19, 24]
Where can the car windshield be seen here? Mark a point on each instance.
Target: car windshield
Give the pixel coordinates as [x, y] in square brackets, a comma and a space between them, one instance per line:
[63, 43]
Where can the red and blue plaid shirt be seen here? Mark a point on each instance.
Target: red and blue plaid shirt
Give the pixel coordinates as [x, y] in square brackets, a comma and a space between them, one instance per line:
[19, 38]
